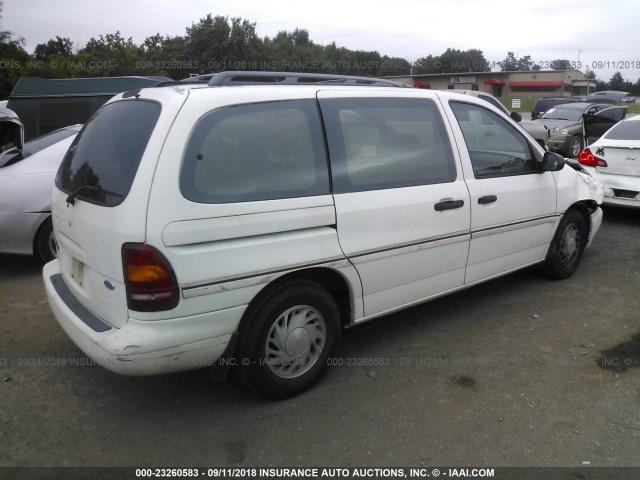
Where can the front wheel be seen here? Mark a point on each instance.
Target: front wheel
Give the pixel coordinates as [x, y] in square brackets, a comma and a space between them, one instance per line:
[287, 339]
[567, 247]
[575, 147]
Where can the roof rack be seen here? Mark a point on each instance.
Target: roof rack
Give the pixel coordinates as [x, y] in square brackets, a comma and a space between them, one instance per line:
[287, 78]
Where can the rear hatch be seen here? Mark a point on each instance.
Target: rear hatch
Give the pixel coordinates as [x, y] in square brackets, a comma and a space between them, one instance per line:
[101, 195]
[621, 160]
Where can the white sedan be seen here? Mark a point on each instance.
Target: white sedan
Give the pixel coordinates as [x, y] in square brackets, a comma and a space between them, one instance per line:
[614, 160]
[26, 180]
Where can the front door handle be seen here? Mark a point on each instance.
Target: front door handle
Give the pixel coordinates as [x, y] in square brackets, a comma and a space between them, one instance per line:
[487, 199]
[448, 205]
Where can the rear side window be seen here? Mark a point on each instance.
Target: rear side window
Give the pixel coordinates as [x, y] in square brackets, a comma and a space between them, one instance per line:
[379, 143]
[262, 151]
[625, 131]
[103, 160]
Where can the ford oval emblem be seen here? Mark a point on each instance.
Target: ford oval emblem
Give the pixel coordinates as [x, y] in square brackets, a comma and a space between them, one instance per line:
[109, 284]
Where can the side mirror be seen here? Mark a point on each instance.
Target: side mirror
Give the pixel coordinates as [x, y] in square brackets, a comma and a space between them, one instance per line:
[516, 116]
[552, 162]
[10, 156]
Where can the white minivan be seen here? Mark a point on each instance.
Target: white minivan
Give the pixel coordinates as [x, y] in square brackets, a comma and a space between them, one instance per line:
[202, 225]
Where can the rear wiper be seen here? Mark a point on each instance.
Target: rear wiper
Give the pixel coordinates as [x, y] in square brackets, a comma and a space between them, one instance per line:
[71, 199]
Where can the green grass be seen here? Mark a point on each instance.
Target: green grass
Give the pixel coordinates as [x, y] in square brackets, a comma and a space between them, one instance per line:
[633, 107]
[526, 103]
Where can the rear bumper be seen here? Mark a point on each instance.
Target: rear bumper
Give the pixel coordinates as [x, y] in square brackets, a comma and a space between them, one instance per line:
[620, 190]
[622, 202]
[141, 347]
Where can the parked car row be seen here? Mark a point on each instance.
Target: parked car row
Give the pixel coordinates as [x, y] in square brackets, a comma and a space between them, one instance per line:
[544, 104]
[321, 206]
[564, 124]
[611, 97]
[563, 136]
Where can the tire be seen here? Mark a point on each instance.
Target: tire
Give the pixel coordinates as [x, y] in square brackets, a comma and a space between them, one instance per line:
[567, 246]
[46, 248]
[287, 338]
[575, 147]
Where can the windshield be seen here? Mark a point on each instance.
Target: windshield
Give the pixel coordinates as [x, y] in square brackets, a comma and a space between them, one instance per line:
[14, 154]
[102, 162]
[563, 113]
[44, 141]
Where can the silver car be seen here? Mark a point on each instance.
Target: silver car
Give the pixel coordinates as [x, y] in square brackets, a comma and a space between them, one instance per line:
[27, 175]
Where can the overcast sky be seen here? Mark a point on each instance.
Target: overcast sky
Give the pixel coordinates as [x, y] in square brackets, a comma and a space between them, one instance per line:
[603, 35]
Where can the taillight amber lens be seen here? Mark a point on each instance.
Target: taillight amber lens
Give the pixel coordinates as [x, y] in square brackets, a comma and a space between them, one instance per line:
[149, 279]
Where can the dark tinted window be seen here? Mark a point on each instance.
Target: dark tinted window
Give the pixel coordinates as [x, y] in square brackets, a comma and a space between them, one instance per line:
[255, 152]
[377, 143]
[495, 147]
[625, 131]
[55, 115]
[104, 158]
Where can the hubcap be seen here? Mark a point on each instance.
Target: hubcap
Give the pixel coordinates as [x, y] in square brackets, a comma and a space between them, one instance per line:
[570, 245]
[295, 341]
[575, 148]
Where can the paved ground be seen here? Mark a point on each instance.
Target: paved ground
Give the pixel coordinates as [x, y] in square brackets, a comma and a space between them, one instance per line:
[505, 374]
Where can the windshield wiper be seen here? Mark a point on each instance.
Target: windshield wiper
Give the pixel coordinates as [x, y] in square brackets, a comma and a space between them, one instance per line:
[71, 199]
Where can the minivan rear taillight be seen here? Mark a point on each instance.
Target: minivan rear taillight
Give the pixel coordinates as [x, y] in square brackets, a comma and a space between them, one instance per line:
[149, 279]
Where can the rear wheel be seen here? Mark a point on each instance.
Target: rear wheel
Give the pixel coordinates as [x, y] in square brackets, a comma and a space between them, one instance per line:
[287, 338]
[567, 247]
[46, 247]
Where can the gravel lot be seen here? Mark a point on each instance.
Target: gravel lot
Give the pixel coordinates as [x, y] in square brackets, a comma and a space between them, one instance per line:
[509, 373]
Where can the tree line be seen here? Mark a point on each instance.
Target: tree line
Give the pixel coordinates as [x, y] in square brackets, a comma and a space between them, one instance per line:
[218, 43]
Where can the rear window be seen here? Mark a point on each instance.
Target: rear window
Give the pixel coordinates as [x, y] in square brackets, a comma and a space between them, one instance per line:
[103, 160]
[625, 131]
[254, 152]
